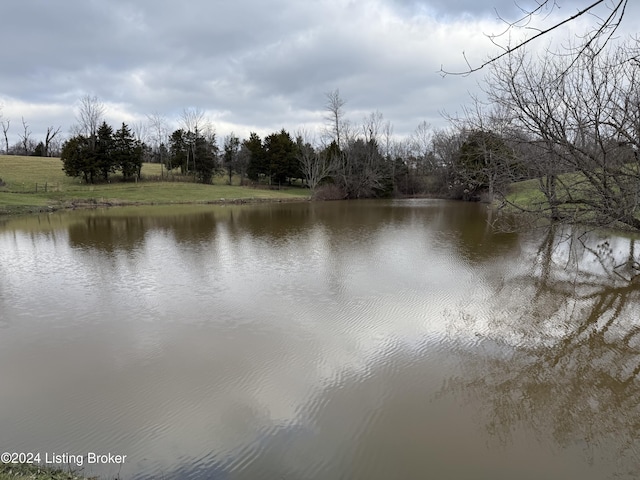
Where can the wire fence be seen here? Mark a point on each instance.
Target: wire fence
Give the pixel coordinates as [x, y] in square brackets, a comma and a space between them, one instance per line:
[38, 187]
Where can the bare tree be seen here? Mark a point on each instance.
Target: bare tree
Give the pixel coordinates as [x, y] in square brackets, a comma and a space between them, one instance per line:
[201, 144]
[90, 114]
[195, 123]
[607, 17]
[372, 126]
[387, 138]
[194, 119]
[421, 145]
[159, 132]
[140, 132]
[446, 147]
[335, 116]
[315, 165]
[25, 137]
[51, 134]
[361, 169]
[5, 130]
[583, 119]
[484, 165]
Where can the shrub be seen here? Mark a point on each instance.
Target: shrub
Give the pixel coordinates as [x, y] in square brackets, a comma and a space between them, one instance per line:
[329, 192]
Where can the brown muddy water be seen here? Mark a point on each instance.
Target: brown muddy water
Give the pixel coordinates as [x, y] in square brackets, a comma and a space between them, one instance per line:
[347, 340]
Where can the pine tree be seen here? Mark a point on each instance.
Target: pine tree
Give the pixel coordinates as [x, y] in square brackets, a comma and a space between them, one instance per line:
[127, 152]
[78, 158]
[257, 161]
[104, 151]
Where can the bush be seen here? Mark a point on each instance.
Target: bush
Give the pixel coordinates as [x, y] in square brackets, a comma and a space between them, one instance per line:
[329, 192]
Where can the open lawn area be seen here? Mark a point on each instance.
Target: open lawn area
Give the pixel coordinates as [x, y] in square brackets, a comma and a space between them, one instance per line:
[38, 183]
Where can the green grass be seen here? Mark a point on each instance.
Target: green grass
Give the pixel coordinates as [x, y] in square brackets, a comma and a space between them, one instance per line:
[526, 196]
[37, 184]
[35, 472]
[526, 193]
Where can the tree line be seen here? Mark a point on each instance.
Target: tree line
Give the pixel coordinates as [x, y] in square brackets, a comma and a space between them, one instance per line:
[49, 147]
[570, 124]
[346, 162]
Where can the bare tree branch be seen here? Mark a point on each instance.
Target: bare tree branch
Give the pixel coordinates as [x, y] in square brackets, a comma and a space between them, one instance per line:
[335, 116]
[605, 30]
[90, 113]
[25, 136]
[51, 134]
[580, 120]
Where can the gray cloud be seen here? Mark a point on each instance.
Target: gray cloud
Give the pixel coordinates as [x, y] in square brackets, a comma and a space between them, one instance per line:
[250, 65]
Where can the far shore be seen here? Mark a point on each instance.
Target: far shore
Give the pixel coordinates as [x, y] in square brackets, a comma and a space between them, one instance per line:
[90, 203]
[38, 185]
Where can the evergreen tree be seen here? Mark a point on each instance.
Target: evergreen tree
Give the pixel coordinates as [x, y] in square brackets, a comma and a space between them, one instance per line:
[78, 158]
[230, 158]
[104, 151]
[484, 164]
[178, 151]
[205, 159]
[194, 153]
[281, 157]
[257, 160]
[127, 152]
[39, 150]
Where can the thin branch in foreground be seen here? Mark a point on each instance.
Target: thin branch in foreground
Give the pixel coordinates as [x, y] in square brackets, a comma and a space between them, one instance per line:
[613, 21]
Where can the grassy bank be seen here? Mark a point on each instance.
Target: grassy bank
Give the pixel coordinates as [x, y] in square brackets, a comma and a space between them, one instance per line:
[33, 184]
[527, 194]
[36, 472]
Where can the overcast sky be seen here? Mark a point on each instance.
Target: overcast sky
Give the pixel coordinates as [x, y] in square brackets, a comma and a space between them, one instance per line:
[251, 65]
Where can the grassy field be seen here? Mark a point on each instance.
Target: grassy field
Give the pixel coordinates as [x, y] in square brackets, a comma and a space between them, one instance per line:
[37, 183]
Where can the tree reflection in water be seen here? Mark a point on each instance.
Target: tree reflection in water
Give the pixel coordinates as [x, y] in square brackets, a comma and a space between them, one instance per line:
[573, 333]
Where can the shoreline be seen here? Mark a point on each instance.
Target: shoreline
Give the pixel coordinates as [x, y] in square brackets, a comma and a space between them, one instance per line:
[11, 211]
[89, 204]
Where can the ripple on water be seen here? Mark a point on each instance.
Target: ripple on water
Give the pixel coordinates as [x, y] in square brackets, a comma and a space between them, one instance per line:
[270, 354]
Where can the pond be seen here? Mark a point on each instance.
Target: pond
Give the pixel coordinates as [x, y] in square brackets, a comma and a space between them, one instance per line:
[339, 340]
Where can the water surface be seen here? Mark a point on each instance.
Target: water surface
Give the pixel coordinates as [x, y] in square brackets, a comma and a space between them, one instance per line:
[374, 339]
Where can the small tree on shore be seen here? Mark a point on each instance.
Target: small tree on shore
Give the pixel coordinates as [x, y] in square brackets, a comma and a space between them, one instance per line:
[78, 159]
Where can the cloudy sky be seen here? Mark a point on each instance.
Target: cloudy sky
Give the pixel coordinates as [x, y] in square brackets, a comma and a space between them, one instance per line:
[251, 65]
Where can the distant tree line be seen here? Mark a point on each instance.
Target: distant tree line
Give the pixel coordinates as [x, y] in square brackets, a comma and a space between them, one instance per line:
[49, 147]
[571, 125]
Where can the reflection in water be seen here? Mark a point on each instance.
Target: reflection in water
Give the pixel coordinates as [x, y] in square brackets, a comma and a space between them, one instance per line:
[574, 376]
[388, 339]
